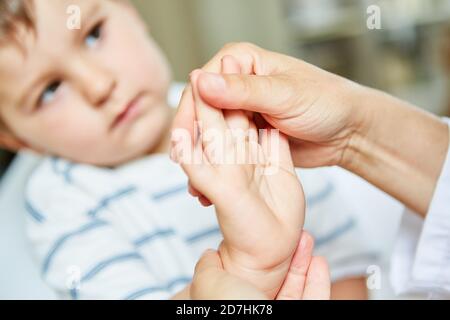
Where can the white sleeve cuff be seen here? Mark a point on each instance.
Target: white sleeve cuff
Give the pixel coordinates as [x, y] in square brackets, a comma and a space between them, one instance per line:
[421, 260]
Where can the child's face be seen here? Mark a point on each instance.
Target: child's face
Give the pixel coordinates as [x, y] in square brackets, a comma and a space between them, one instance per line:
[95, 95]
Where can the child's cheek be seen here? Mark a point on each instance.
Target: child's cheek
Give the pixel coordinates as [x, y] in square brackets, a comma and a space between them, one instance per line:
[151, 67]
[69, 123]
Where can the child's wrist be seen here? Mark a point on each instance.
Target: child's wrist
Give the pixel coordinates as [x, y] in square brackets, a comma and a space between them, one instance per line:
[268, 280]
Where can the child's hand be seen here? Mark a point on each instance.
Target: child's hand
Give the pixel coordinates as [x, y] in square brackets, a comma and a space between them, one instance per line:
[259, 203]
[308, 278]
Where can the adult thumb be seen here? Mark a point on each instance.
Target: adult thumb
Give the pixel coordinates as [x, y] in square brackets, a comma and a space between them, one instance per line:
[263, 94]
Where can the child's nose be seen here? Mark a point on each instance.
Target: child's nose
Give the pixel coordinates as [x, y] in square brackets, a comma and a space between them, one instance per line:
[100, 90]
[96, 83]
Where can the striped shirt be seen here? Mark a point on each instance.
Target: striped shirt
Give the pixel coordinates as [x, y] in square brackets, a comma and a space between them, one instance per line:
[134, 232]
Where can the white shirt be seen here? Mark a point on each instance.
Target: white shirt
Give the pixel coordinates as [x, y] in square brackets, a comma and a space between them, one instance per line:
[134, 232]
[421, 260]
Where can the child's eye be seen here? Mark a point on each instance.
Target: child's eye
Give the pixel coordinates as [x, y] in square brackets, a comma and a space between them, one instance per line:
[49, 93]
[94, 35]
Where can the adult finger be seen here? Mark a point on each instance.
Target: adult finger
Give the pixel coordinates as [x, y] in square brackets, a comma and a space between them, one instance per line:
[264, 94]
[245, 54]
[294, 283]
[318, 283]
[185, 116]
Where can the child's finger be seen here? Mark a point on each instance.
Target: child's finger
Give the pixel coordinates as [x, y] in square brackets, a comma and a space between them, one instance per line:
[284, 152]
[213, 128]
[276, 148]
[198, 170]
[294, 283]
[199, 177]
[185, 117]
[192, 191]
[184, 131]
[205, 201]
[197, 194]
[253, 142]
[210, 118]
[318, 283]
[235, 119]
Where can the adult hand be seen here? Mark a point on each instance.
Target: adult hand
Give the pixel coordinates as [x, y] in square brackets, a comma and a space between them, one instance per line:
[308, 278]
[304, 102]
[331, 120]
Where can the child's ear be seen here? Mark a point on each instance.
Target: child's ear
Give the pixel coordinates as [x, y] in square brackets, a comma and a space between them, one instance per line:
[10, 142]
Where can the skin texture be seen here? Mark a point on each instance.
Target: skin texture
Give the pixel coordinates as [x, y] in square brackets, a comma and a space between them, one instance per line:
[97, 81]
[332, 121]
[307, 278]
[244, 194]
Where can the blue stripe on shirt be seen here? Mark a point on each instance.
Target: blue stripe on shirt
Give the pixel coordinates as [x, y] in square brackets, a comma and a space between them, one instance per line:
[169, 192]
[203, 234]
[73, 293]
[33, 212]
[336, 233]
[65, 171]
[105, 202]
[321, 195]
[60, 242]
[368, 257]
[108, 262]
[149, 290]
[153, 236]
[141, 292]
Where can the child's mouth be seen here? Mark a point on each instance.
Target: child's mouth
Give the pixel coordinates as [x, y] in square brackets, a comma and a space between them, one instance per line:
[130, 112]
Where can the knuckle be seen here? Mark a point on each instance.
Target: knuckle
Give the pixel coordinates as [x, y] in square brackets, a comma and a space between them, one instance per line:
[230, 45]
[239, 46]
[247, 45]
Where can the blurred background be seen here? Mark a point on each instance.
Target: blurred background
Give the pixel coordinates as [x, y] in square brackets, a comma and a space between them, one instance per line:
[408, 57]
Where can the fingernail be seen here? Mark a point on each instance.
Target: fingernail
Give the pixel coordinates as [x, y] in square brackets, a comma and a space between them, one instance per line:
[213, 82]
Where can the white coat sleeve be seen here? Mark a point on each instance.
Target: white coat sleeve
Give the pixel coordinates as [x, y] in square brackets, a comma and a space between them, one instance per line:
[421, 258]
